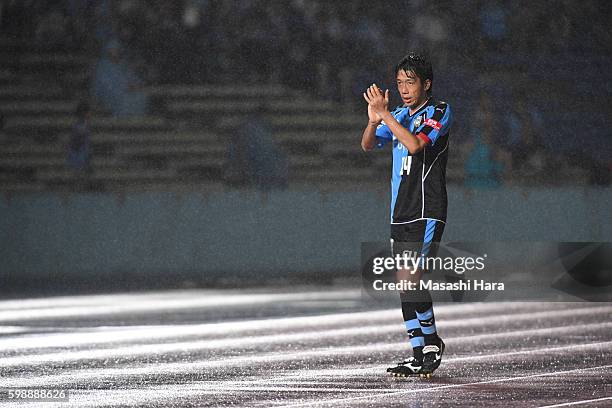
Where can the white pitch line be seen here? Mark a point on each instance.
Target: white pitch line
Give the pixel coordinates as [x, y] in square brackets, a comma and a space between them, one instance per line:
[198, 366]
[12, 329]
[89, 305]
[568, 404]
[185, 346]
[93, 398]
[148, 305]
[159, 393]
[442, 387]
[363, 372]
[241, 342]
[377, 370]
[109, 299]
[41, 341]
[172, 331]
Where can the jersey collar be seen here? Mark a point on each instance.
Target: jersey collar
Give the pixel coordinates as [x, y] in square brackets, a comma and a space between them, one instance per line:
[418, 110]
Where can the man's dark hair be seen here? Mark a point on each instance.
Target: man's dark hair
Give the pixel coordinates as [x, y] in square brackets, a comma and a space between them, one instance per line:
[419, 64]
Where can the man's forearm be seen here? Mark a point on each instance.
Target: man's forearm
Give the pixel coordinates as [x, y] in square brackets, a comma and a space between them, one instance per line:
[405, 137]
[368, 139]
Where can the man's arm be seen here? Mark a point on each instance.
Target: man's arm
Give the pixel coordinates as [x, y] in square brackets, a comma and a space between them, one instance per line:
[368, 139]
[413, 144]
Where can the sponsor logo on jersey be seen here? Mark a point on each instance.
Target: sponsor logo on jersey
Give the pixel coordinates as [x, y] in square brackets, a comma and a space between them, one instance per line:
[433, 123]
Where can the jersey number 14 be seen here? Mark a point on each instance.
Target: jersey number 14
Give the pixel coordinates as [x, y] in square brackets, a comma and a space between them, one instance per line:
[406, 164]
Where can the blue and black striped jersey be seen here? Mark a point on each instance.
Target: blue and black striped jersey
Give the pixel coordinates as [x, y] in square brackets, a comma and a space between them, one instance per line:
[418, 182]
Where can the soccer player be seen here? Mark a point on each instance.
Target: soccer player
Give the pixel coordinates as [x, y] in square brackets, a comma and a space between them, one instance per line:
[419, 132]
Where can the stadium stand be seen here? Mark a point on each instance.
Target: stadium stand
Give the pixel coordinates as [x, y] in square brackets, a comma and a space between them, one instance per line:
[183, 144]
[183, 140]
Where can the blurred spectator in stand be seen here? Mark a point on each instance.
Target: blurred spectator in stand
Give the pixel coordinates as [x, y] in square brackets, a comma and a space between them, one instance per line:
[493, 33]
[254, 158]
[269, 163]
[524, 142]
[236, 167]
[116, 85]
[79, 148]
[493, 25]
[103, 25]
[429, 31]
[483, 168]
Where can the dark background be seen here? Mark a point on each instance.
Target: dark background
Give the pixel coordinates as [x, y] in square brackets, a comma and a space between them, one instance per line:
[142, 139]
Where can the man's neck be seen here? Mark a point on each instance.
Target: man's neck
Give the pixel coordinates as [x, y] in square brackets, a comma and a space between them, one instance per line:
[419, 106]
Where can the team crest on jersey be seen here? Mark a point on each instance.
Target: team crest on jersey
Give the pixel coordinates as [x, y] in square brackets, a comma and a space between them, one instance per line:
[418, 121]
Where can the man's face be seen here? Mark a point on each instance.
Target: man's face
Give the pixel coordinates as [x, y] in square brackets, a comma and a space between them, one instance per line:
[411, 89]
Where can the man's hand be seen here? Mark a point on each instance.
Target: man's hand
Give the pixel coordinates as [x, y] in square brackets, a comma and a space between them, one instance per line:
[377, 102]
[374, 118]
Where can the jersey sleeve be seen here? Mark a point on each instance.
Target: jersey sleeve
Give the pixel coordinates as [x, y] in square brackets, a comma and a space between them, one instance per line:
[383, 135]
[436, 124]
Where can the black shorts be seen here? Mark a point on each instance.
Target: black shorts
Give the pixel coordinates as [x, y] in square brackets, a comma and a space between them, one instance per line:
[419, 238]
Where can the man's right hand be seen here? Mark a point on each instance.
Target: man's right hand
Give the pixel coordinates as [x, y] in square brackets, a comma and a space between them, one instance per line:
[373, 117]
[368, 139]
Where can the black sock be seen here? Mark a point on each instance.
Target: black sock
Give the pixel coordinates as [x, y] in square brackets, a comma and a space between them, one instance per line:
[413, 328]
[425, 315]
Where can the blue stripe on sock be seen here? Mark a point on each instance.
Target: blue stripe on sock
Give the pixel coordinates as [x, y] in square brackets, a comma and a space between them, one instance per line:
[412, 324]
[429, 329]
[417, 342]
[428, 314]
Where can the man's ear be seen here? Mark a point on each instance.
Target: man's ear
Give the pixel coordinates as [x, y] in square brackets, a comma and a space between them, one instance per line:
[427, 84]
